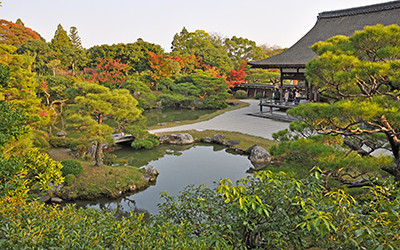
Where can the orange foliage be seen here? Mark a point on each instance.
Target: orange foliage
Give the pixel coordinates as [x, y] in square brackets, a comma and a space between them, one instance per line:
[237, 77]
[165, 66]
[15, 34]
[110, 71]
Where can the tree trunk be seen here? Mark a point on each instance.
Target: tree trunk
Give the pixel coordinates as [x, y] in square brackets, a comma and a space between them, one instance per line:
[395, 146]
[73, 68]
[97, 156]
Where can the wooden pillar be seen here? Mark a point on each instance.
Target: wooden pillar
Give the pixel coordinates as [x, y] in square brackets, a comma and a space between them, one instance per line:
[281, 88]
[307, 89]
[315, 94]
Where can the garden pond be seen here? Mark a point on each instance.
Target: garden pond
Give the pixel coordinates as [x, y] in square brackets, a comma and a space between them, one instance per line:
[179, 166]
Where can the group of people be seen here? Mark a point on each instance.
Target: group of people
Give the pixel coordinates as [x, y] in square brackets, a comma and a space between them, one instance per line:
[290, 95]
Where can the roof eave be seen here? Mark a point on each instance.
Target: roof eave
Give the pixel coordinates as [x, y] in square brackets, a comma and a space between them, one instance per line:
[275, 66]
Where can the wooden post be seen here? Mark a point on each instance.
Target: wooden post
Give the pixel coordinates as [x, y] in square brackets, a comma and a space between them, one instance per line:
[307, 89]
[281, 89]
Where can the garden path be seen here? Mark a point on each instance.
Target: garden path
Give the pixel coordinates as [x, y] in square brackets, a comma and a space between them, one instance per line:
[236, 120]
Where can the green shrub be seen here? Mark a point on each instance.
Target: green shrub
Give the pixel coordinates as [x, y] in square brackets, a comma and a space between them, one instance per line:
[110, 159]
[258, 96]
[150, 142]
[69, 178]
[240, 94]
[58, 142]
[34, 226]
[71, 167]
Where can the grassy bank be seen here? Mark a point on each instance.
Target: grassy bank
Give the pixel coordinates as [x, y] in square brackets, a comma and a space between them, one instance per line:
[246, 141]
[96, 182]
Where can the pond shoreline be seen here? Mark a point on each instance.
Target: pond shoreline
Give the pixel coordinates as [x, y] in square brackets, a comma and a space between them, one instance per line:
[88, 189]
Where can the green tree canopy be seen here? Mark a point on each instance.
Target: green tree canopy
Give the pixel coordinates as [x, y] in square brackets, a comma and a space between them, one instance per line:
[60, 39]
[42, 53]
[94, 106]
[360, 76]
[133, 54]
[21, 86]
[202, 45]
[240, 49]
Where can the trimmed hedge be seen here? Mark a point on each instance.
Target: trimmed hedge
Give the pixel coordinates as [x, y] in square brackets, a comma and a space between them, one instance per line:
[71, 167]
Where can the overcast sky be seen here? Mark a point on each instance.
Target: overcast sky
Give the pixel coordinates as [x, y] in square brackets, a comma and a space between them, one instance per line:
[278, 22]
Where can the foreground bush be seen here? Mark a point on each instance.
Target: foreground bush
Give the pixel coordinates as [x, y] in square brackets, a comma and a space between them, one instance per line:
[266, 211]
[34, 225]
[274, 211]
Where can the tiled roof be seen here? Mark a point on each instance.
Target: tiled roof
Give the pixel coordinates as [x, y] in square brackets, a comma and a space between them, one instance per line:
[329, 24]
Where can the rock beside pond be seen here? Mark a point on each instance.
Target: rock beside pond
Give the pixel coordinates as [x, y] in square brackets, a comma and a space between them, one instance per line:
[132, 188]
[56, 200]
[232, 143]
[146, 177]
[149, 178]
[163, 139]
[207, 139]
[45, 198]
[151, 170]
[259, 154]
[218, 139]
[181, 139]
[248, 151]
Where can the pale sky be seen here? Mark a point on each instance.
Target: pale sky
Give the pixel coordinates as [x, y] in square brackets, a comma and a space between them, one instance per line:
[278, 22]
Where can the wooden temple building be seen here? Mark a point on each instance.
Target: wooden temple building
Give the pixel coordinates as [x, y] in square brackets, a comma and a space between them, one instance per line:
[292, 62]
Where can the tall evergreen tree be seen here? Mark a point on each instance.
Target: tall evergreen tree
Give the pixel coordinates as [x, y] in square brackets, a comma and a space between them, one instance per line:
[19, 21]
[75, 39]
[60, 39]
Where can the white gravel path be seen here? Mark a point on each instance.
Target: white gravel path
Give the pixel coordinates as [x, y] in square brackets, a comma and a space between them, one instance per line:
[235, 120]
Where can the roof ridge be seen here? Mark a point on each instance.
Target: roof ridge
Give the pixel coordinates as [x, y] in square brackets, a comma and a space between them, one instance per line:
[360, 10]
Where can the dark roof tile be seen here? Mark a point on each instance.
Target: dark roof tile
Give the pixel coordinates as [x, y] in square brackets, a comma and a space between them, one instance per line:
[329, 24]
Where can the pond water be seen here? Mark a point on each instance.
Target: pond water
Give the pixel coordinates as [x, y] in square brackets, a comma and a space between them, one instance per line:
[179, 166]
[156, 116]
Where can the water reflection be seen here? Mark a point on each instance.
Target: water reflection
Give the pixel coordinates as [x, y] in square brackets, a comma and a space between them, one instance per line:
[179, 166]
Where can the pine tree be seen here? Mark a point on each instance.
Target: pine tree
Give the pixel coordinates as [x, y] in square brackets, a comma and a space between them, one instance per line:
[19, 21]
[60, 39]
[75, 39]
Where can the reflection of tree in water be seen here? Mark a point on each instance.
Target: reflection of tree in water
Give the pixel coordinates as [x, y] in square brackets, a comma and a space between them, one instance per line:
[121, 207]
[142, 157]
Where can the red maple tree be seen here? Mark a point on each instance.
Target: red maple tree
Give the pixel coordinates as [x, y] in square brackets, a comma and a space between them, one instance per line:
[110, 72]
[237, 77]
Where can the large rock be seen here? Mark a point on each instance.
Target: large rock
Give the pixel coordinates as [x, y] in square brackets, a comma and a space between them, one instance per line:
[259, 155]
[151, 170]
[232, 143]
[218, 139]
[181, 139]
[207, 140]
[56, 200]
[45, 198]
[163, 139]
[248, 151]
